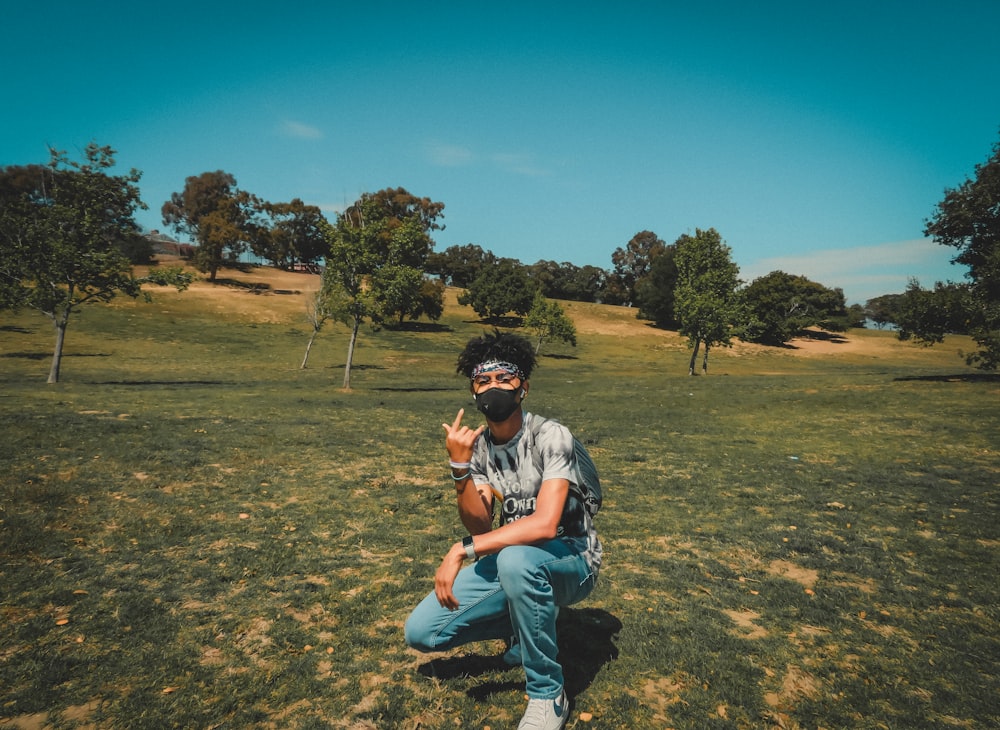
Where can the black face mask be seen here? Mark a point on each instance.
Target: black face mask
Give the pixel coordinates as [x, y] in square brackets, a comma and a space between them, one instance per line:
[497, 404]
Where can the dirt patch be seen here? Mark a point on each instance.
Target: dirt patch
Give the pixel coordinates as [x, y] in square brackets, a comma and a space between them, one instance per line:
[746, 624]
[797, 683]
[807, 577]
[660, 694]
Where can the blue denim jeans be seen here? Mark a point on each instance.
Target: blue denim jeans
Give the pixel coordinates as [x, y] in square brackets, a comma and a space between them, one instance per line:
[515, 592]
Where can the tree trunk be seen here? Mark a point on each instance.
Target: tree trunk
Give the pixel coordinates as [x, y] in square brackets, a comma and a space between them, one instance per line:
[60, 320]
[694, 356]
[350, 353]
[309, 346]
[704, 363]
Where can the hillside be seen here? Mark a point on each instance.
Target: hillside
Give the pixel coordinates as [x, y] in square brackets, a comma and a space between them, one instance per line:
[268, 295]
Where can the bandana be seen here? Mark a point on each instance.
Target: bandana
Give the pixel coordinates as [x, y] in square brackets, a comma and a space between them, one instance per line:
[493, 365]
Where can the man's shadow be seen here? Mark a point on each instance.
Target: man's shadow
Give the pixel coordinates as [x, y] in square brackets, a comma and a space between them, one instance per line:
[586, 643]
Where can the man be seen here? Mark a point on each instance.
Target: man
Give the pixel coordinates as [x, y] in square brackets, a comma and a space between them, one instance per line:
[543, 554]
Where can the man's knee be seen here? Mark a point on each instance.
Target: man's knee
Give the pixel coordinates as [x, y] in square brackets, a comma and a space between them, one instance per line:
[516, 567]
[416, 635]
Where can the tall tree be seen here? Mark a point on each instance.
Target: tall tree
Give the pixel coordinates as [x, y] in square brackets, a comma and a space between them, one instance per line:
[290, 233]
[654, 293]
[633, 262]
[387, 231]
[460, 265]
[567, 281]
[62, 227]
[968, 219]
[705, 297]
[217, 214]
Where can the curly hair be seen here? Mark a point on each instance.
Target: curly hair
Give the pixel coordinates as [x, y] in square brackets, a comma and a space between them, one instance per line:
[505, 346]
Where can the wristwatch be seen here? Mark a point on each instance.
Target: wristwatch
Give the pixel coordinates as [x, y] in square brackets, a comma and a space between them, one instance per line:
[470, 548]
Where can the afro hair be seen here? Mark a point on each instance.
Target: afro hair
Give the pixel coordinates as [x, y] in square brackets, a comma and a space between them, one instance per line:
[504, 346]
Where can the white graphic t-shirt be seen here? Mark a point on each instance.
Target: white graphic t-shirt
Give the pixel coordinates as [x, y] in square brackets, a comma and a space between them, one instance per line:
[515, 470]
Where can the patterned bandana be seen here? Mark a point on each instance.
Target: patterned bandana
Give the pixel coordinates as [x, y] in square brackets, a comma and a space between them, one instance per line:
[493, 365]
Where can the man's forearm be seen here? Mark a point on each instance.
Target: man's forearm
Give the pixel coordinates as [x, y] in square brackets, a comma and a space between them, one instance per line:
[473, 507]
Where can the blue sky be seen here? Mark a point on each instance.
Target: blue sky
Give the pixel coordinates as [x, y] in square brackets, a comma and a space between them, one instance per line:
[816, 138]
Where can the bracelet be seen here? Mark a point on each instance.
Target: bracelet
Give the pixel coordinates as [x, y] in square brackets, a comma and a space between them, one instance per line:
[460, 464]
[463, 477]
[470, 548]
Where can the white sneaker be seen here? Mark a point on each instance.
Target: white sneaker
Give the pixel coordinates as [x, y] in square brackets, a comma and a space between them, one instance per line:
[545, 714]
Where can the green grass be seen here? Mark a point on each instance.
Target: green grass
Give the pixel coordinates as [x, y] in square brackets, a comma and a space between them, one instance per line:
[195, 533]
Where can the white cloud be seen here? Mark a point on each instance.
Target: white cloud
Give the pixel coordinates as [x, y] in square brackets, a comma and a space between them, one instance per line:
[291, 128]
[449, 155]
[864, 272]
[519, 163]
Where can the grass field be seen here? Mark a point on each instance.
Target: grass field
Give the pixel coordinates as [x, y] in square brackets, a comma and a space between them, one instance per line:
[195, 533]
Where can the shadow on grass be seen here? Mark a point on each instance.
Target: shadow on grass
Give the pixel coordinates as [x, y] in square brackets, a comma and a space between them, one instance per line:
[162, 382]
[413, 390]
[509, 322]
[418, 327]
[959, 378]
[44, 355]
[255, 287]
[586, 643]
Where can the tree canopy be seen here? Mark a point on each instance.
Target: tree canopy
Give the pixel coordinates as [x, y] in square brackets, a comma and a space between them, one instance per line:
[501, 289]
[705, 298]
[654, 292]
[378, 249]
[927, 315]
[64, 228]
[633, 263]
[217, 214]
[968, 219]
[778, 306]
[548, 321]
[460, 265]
[290, 233]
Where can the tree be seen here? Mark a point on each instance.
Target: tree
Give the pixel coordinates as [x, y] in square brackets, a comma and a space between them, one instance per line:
[654, 293]
[499, 290]
[294, 234]
[968, 219]
[883, 310]
[329, 302]
[460, 265]
[633, 262]
[383, 232]
[62, 230]
[403, 291]
[218, 215]
[927, 315]
[778, 306]
[567, 280]
[705, 297]
[548, 321]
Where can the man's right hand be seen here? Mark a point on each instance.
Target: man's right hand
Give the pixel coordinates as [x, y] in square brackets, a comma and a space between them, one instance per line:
[460, 438]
